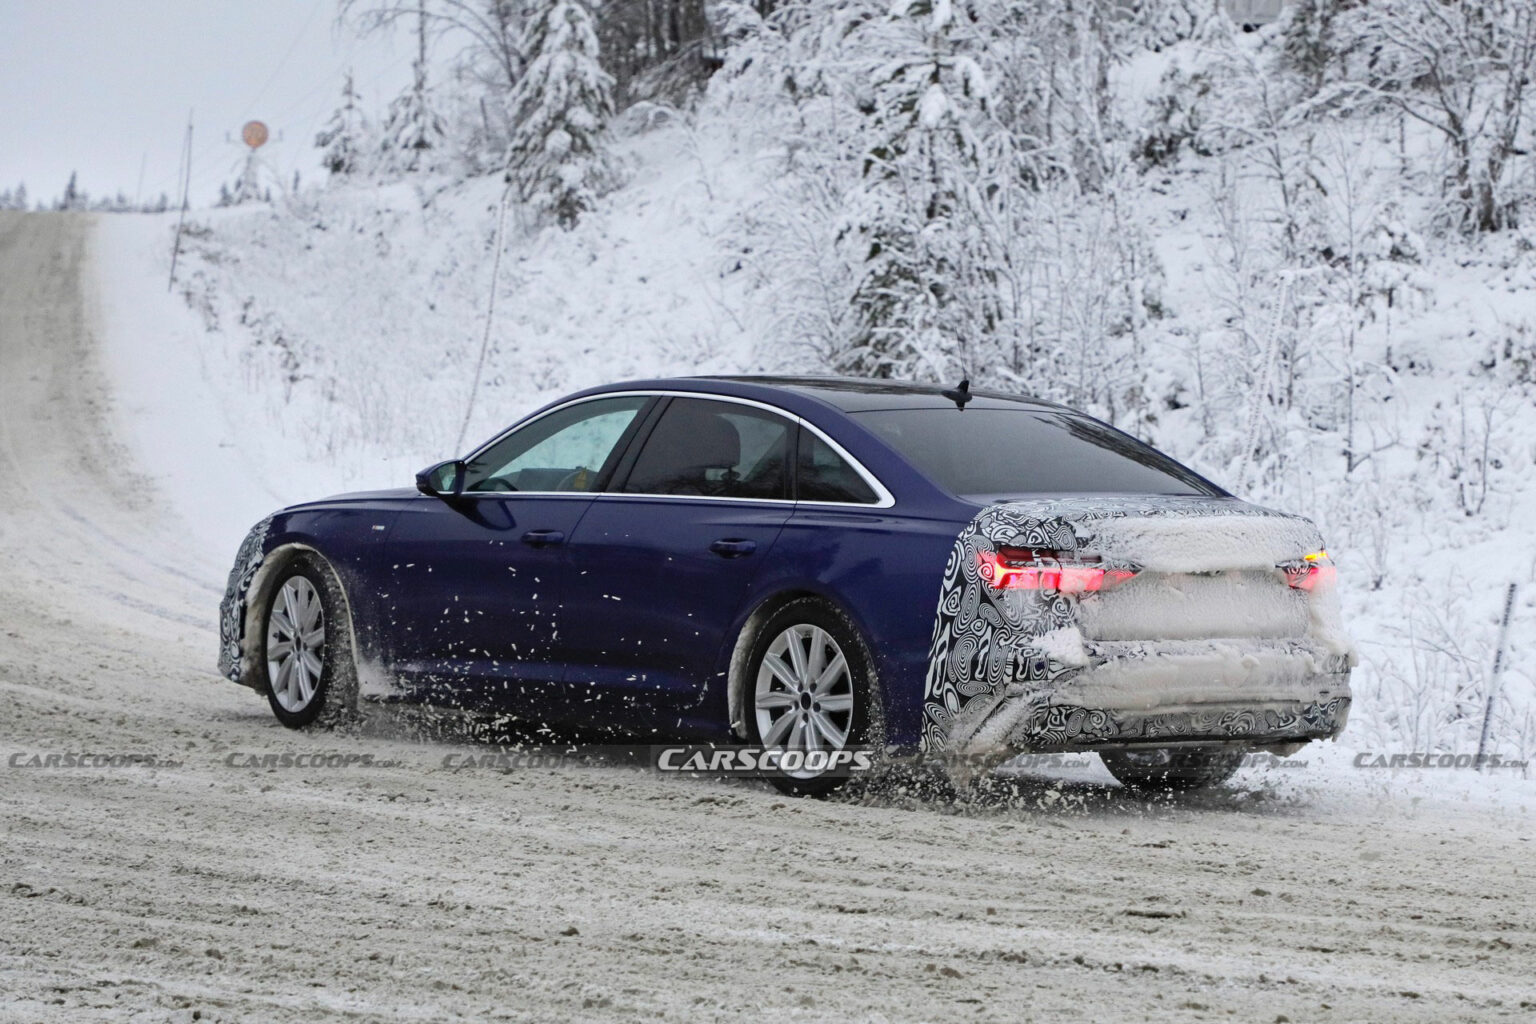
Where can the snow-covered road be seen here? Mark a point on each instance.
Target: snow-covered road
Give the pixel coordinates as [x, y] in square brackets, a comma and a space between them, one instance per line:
[402, 890]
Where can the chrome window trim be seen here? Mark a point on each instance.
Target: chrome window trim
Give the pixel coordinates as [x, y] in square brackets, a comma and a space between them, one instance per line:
[885, 499]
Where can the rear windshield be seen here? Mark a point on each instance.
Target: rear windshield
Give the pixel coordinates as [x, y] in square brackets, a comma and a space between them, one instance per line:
[986, 453]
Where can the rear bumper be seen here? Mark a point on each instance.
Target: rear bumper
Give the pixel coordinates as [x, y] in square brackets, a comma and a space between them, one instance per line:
[1050, 728]
[1127, 694]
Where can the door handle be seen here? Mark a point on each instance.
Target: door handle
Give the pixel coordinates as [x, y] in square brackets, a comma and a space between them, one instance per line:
[731, 548]
[543, 538]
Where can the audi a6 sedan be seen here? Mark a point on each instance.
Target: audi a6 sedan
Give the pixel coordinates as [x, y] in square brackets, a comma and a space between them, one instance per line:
[811, 564]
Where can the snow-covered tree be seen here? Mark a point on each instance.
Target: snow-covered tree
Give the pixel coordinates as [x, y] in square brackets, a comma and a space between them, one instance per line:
[344, 139]
[1464, 71]
[1310, 49]
[659, 49]
[248, 187]
[926, 301]
[414, 132]
[467, 112]
[559, 158]
[72, 198]
[489, 31]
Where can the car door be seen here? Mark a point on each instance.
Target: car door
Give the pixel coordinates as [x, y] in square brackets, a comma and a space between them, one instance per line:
[663, 561]
[475, 581]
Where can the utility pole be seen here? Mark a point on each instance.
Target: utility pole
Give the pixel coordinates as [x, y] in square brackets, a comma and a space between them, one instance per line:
[186, 186]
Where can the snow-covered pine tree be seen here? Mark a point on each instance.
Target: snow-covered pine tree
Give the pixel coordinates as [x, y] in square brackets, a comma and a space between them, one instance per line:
[559, 159]
[926, 304]
[21, 196]
[248, 187]
[414, 132]
[72, 197]
[343, 140]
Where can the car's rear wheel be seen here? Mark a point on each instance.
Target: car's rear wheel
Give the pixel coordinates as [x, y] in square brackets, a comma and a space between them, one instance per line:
[306, 648]
[808, 690]
[1172, 768]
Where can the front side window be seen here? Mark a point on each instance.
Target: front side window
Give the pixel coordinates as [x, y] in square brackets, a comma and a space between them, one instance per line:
[567, 450]
[714, 449]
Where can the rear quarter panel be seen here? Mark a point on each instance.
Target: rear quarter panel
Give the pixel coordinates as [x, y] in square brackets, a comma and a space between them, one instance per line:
[885, 570]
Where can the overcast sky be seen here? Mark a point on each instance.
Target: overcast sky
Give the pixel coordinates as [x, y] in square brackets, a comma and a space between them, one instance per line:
[103, 86]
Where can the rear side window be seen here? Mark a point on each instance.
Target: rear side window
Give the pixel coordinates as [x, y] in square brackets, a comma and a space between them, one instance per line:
[823, 475]
[714, 449]
[985, 453]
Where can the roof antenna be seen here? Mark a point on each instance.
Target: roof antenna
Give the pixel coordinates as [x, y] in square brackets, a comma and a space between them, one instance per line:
[959, 395]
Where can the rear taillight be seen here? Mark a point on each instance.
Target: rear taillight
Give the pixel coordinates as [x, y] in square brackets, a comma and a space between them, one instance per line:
[1039, 569]
[1309, 570]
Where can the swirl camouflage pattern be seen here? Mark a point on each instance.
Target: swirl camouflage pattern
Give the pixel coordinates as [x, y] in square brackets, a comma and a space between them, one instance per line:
[232, 608]
[995, 649]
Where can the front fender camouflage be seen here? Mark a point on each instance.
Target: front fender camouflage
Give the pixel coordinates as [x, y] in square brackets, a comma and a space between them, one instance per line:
[232, 609]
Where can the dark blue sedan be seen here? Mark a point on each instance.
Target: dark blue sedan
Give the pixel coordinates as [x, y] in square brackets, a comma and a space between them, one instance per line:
[810, 564]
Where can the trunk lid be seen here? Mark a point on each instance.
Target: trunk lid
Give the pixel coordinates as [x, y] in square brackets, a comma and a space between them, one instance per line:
[1206, 567]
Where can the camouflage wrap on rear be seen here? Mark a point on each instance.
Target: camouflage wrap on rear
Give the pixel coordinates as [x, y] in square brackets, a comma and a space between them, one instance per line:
[992, 645]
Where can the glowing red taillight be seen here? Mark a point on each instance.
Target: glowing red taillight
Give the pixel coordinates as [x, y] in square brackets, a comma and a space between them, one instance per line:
[1310, 571]
[1036, 569]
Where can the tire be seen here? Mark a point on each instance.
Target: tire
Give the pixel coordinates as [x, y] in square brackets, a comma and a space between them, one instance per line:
[319, 686]
[1172, 769]
[837, 715]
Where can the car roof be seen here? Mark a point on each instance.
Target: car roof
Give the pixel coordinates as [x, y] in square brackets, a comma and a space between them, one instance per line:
[860, 394]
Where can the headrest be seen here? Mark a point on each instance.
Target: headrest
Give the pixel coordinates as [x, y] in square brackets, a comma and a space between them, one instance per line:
[710, 440]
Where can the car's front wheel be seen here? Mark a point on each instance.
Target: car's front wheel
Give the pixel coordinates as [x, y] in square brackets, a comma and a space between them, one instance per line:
[1172, 768]
[306, 648]
[809, 690]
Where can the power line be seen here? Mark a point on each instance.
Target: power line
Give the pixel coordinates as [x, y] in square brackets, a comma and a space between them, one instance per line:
[283, 61]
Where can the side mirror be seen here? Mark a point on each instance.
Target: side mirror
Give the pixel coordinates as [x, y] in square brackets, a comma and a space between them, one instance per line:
[444, 480]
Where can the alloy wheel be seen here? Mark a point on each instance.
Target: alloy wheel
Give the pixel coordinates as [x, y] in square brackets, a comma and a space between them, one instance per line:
[804, 695]
[295, 644]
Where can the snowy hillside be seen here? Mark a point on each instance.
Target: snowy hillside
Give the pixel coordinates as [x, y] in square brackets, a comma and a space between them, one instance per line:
[1277, 299]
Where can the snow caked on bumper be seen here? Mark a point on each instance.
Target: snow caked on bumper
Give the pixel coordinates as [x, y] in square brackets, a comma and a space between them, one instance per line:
[1204, 639]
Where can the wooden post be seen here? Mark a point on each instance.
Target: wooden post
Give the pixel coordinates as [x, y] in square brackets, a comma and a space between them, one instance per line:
[1498, 670]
